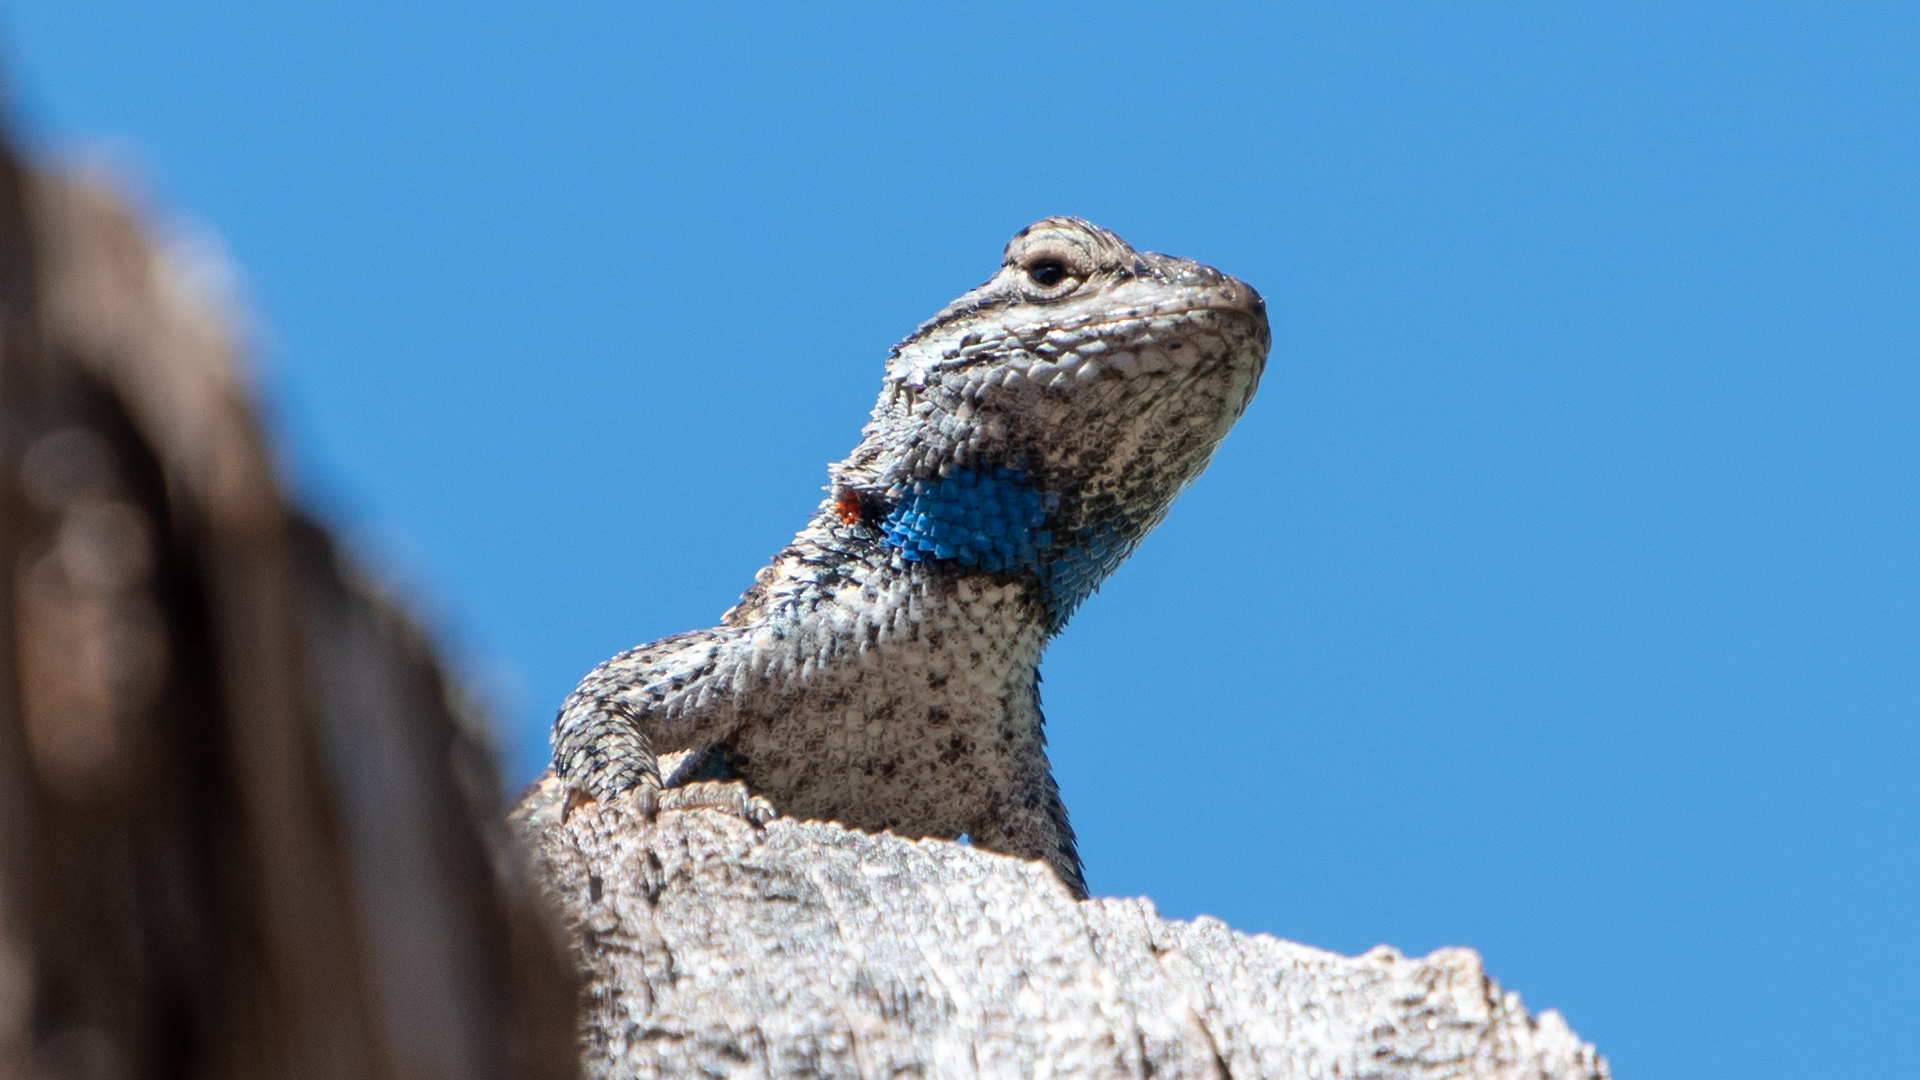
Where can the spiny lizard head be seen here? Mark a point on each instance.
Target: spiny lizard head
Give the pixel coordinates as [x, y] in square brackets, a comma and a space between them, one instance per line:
[1043, 422]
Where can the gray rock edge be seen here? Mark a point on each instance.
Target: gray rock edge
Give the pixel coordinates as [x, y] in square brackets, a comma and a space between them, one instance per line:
[710, 945]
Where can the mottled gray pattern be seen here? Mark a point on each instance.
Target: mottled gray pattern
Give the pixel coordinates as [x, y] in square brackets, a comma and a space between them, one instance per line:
[852, 684]
[715, 944]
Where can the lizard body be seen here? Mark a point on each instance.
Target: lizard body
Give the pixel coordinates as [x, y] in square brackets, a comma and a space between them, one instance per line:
[883, 671]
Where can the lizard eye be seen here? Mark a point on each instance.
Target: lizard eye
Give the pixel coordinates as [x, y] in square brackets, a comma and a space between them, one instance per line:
[1047, 273]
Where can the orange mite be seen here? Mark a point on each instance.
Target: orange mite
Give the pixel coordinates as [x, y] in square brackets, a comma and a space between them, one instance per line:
[848, 506]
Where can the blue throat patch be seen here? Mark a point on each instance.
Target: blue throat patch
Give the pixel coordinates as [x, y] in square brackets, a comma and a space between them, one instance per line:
[994, 519]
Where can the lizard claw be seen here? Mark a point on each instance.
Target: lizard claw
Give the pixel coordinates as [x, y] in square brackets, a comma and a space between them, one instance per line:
[576, 798]
[729, 797]
[551, 793]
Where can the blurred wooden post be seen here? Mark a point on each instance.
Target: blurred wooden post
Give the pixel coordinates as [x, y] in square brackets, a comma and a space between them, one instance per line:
[244, 829]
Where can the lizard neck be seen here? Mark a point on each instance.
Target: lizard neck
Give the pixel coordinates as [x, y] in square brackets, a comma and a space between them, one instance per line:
[839, 599]
[890, 671]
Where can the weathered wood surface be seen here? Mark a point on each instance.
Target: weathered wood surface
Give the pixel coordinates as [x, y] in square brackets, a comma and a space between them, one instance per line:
[714, 947]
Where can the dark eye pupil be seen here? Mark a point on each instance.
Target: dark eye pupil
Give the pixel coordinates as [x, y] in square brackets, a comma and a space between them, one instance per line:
[1047, 273]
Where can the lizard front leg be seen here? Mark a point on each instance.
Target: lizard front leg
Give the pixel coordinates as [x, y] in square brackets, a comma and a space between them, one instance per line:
[655, 699]
[601, 750]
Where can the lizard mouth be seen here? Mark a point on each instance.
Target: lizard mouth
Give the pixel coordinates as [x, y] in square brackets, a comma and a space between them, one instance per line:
[1149, 339]
[1186, 340]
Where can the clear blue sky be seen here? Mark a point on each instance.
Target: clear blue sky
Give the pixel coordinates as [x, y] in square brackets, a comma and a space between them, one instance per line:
[1558, 596]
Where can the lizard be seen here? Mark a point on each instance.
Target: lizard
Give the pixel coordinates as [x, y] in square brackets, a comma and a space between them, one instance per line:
[883, 669]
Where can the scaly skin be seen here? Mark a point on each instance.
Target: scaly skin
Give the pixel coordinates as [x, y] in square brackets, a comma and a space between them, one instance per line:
[883, 671]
